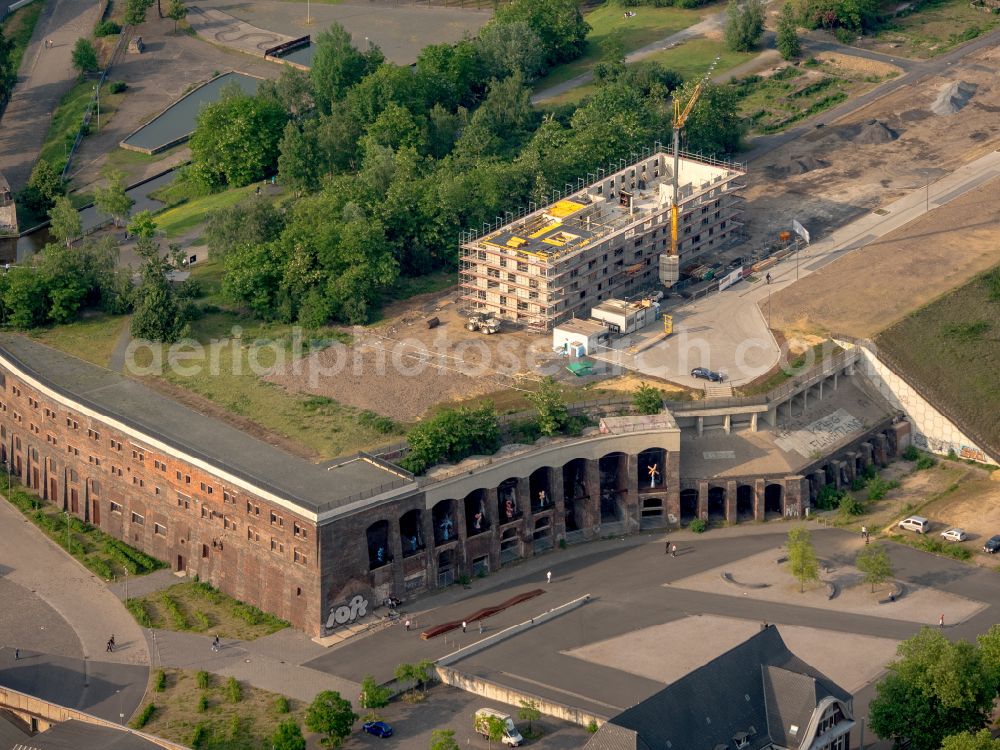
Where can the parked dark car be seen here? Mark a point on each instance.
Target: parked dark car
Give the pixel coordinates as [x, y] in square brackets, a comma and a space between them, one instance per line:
[705, 374]
[378, 728]
[992, 545]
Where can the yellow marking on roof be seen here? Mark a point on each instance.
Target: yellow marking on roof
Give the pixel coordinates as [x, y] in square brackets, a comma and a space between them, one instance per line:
[546, 228]
[516, 242]
[563, 209]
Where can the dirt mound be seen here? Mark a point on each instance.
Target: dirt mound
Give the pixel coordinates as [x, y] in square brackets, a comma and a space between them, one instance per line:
[953, 97]
[808, 163]
[874, 132]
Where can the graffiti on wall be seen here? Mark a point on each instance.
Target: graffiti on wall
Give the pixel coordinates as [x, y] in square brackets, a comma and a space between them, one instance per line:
[820, 434]
[943, 448]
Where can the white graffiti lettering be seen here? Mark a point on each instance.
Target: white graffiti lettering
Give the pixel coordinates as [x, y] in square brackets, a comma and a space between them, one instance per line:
[349, 612]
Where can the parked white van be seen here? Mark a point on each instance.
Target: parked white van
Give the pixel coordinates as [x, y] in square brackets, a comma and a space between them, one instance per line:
[918, 524]
[510, 737]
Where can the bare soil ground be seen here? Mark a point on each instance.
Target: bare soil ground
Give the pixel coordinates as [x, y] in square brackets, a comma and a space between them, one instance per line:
[870, 289]
[853, 177]
[170, 66]
[973, 506]
[401, 368]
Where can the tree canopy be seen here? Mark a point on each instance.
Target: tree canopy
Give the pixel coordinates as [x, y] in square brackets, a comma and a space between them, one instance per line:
[802, 556]
[451, 435]
[744, 24]
[331, 716]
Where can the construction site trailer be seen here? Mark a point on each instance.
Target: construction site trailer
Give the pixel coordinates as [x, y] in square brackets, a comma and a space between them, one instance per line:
[589, 334]
[624, 317]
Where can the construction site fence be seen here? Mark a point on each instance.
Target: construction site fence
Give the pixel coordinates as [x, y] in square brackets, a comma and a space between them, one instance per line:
[92, 104]
[471, 235]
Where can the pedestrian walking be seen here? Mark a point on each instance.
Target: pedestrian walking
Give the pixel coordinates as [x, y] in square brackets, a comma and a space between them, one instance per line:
[480, 627]
[215, 644]
[407, 626]
[112, 640]
[768, 278]
[673, 550]
[548, 577]
[111, 646]
[666, 549]
[17, 654]
[464, 626]
[941, 621]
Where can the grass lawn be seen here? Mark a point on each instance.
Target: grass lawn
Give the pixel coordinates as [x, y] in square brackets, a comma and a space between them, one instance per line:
[950, 350]
[608, 21]
[323, 426]
[68, 117]
[937, 27]
[121, 158]
[175, 221]
[93, 338]
[19, 27]
[218, 723]
[198, 607]
[98, 552]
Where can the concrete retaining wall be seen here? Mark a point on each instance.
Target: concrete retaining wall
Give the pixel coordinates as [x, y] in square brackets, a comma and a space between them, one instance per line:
[932, 430]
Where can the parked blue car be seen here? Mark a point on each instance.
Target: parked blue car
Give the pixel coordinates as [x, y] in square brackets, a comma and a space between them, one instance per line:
[378, 728]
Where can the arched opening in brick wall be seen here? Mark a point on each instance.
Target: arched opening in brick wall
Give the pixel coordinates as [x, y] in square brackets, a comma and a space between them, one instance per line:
[507, 505]
[539, 490]
[444, 520]
[379, 552]
[744, 502]
[717, 503]
[652, 466]
[477, 515]
[411, 532]
[575, 493]
[773, 499]
[689, 505]
[614, 484]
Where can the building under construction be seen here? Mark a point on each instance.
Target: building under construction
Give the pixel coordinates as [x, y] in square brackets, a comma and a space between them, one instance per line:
[609, 238]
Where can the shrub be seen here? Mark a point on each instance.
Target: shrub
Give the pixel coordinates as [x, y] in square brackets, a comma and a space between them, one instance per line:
[281, 705]
[203, 679]
[910, 454]
[926, 461]
[845, 36]
[377, 423]
[117, 87]
[234, 692]
[698, 526]
[828, 497]
[107, 28]
[144, 716]
[138, 609]
[849, 506]
[203, 703]
[201, 621]
[592, 726]
[199, 735]
[160, 681]
[177, 617]
[878, 487]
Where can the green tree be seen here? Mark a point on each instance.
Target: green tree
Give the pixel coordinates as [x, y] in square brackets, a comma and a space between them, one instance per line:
[236, 139]
[451, 435]
[112, 199]
[288, 736]
[529, 712]
[298, 160]
[981, 740]
[550, 404]
[509, 48]
[65, 225]
[559, 25]
[443, 739]
[989, 649]
[84, 56]
[143, 225]
[647, 399]
[250, 222]
[8, 76]
[744, 25]
[714, 126]
[157, 314]
[787, 40]
[490, 726]
[25, 298]
[873, 561]
[337, 65]
[935, 689]
[135, 11]
[331, 716]
[44, 186]
[802, 557]
[373, 695]
[177, 11]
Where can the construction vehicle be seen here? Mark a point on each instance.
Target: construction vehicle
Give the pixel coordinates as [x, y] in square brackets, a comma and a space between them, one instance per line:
[510, 736]
[680, 118]
[483, 323]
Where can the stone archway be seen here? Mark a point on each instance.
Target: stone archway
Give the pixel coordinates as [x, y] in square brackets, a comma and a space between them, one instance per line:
[411, 532]
[507, 507]
[444, 519]
[377, 537]
[539, 490]
[614, 484]
[575, 493]
[652, 464]
[477, 518]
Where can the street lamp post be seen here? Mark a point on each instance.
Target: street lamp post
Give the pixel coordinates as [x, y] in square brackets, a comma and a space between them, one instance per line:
[121, 706]
[68, 549]
[126, 587]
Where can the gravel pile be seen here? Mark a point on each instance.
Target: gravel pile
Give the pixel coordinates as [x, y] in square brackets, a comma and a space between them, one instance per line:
[875, 132]
[953, 97]
[803, 164]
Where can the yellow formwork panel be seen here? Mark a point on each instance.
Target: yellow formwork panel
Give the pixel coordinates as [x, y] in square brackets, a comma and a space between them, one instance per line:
[563, 208]
[547, 228]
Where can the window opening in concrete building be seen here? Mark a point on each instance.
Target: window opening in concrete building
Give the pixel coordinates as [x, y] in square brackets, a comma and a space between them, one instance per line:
[377, 536]
[510, 545]
[411, 532]
[574, 492]
[481, 565]
[446, 567]
[539, 490]
[652, 463]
